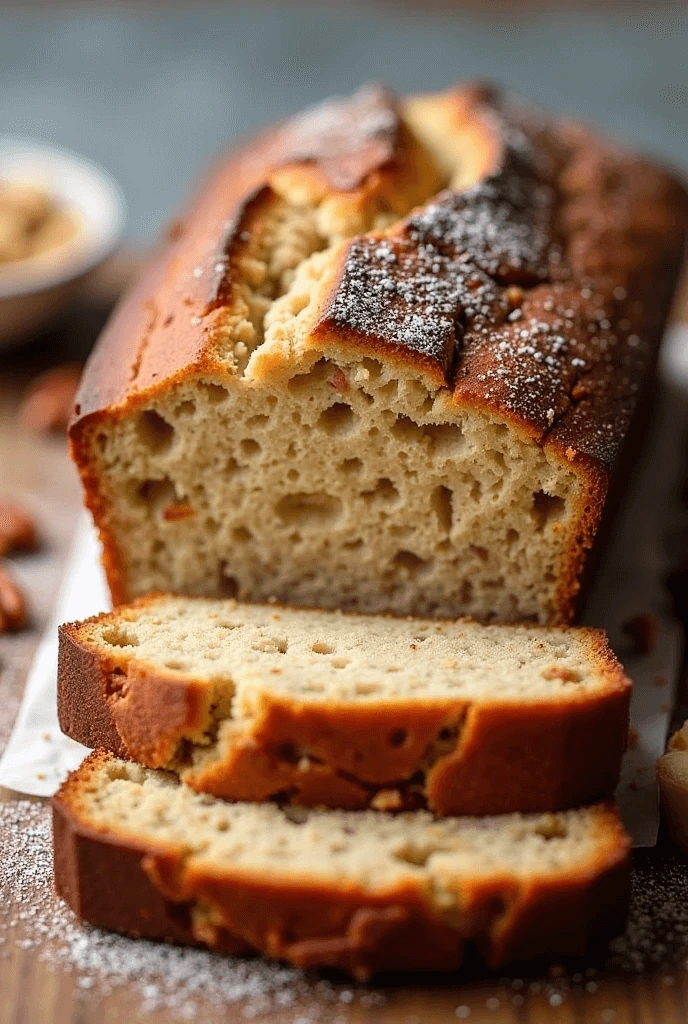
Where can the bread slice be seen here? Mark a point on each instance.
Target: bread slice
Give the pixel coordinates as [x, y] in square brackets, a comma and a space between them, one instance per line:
[363, 891]
[257, 702]
[387, 362]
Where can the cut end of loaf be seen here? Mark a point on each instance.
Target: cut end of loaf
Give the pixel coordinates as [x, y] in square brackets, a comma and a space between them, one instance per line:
[389, 365]
[351, 486]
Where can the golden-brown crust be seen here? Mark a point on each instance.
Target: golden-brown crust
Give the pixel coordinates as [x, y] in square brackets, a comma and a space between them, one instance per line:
[311, 924]
[454, 756]
[537, 292]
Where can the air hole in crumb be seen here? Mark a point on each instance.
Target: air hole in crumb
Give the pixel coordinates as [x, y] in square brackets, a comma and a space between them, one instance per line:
[398, 737]
[293, 475]
[339, 662]
[249, 447]
[384, 491]
[547, 508]
[446, 438]
[338, 419]
[154, 431]
[479, 551]
[498, 458]
[228, 586]
[512, 536]
[241, 535]
[259, 420]
[390, 390]
[441, 502]
[187, 408]
[405, 429]
[271, 645]
[316, 375]
[215, 393]
[317, 509]
[320, 647]
[157, 493]
[372, 368]
[350, 466]
[176, 666]
[409, 563]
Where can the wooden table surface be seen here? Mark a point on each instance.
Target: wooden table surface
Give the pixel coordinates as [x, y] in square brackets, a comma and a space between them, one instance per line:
[35, 989]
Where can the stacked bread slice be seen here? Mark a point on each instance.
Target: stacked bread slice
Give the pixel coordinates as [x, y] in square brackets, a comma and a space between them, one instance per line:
[387, 363]
[311, 718]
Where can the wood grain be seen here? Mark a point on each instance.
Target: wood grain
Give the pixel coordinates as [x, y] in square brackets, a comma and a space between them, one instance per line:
[34, 991]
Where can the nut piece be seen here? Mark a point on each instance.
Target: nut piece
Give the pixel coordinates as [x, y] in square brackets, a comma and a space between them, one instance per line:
[49, 403]
[672, 774]
[12, 604]
[17, 529]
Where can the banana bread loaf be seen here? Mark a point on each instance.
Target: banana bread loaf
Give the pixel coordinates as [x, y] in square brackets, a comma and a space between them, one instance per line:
[361, 891]
[386, 362]
[259, 702]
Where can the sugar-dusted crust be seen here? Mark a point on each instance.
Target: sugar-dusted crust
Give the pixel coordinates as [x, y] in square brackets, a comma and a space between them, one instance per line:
[115, 881]
[536, 293]
[454, 756]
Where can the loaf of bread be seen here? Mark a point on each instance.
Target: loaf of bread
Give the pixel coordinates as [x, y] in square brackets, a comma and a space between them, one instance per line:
[361, 891]
[260, 702]
[386, 362]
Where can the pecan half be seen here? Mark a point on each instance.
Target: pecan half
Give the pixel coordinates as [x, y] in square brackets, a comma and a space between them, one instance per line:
[12, 604]
[49, 403]
[17, 529]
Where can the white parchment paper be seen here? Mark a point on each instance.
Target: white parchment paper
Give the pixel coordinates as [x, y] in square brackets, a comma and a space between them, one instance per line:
[630, 582]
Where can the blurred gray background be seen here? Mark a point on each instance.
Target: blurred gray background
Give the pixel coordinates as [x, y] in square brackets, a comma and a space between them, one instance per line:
[152, 92]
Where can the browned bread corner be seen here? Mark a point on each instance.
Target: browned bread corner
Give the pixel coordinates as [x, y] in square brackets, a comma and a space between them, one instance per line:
[358, 891]
[261, 702]
[387, 361]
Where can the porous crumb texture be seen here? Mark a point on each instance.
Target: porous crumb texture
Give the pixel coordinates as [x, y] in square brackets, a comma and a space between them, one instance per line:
[194, 984]
[360, 891]
[329, 656]
[368, 849]
[317, 708]
[398, 377]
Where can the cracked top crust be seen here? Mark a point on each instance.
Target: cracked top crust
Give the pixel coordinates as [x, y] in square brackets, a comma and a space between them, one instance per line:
[534, 282]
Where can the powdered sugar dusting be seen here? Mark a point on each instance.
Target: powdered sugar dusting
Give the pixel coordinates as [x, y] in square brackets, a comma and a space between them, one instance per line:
[440, 273]
[189, 981]
[531, 292]
[348, 137]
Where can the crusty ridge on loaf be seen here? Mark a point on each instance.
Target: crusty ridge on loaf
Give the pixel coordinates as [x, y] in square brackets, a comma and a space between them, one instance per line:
[359, 891]
[387, 362]
[260, 702]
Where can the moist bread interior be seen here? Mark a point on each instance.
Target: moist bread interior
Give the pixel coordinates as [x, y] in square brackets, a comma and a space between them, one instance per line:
[371, 849]
[241, 652]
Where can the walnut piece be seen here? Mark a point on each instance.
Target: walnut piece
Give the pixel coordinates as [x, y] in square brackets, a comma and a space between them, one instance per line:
[48, 404]
[17, 529]
[12, 604]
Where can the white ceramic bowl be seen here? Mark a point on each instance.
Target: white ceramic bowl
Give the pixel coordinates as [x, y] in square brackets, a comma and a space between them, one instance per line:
[34, 290]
